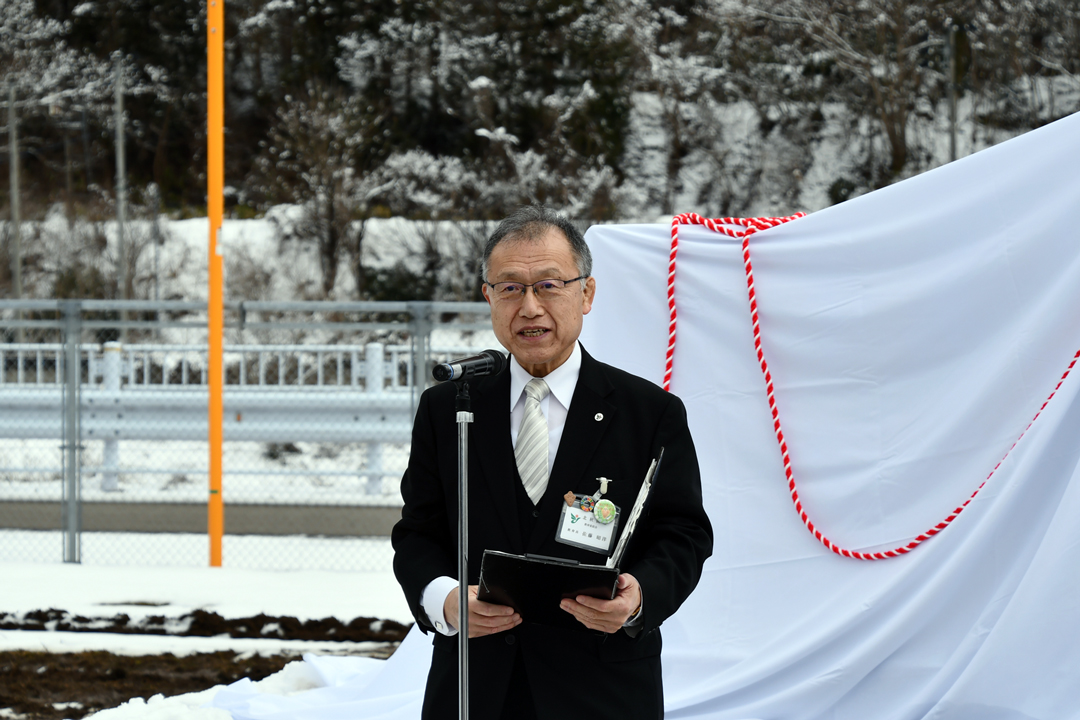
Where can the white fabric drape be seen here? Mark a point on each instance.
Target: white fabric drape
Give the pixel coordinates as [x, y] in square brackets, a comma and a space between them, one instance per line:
[912, 334]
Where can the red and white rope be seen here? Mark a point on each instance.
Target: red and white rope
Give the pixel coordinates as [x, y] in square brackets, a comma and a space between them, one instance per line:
[751, 226]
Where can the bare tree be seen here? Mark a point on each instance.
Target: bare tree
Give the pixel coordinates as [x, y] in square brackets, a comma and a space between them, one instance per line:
[310, 158]
[886, 50]
[674, 47]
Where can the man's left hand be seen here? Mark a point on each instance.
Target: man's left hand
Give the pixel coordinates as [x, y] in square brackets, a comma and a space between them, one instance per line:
[607, 615]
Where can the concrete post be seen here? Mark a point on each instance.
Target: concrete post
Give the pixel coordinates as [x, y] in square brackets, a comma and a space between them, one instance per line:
[374, 367]
[110, 479]
[72, 502]
[374, 382]
[420, 325]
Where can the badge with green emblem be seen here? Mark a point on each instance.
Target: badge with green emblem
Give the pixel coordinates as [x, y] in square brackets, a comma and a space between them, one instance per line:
[589, 522]
[604, 512]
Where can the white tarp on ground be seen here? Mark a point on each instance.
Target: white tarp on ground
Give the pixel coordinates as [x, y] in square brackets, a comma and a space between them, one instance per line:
[912, 335]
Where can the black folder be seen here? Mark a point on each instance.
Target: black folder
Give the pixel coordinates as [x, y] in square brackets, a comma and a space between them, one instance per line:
[534, 585]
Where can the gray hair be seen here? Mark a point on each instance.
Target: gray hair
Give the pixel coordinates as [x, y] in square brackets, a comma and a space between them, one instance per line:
[530, 223]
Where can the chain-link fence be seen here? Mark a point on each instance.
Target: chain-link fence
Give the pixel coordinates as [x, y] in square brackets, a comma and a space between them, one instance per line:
[103, 428]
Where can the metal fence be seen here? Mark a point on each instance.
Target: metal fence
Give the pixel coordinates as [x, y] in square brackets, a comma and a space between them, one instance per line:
[103, 428]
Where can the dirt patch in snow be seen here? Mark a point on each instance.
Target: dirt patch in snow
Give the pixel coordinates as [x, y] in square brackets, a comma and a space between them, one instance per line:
[48, 686]
[208, 624]
[53, 686]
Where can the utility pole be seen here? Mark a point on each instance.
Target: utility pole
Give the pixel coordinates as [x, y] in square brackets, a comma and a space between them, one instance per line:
[121, 180]
[215, 306]
[121, 192]
[952, 91]
[155, 199]
[16, 216]
[157, 249]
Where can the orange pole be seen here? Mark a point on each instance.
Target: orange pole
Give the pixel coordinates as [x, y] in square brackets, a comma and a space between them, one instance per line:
[215, 203]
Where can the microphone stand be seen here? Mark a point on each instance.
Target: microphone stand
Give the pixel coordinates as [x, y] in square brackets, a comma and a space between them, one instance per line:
[463, 406]
[489, 362]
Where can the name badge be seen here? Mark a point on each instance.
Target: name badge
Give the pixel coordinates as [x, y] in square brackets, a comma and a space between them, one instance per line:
[584, 528]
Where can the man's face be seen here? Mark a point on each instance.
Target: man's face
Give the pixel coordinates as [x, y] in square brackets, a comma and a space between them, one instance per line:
[540, 334]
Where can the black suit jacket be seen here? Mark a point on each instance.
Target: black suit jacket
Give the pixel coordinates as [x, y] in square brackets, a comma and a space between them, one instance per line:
[616, 425]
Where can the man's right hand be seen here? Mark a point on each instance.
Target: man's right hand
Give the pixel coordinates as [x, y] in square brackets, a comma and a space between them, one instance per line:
[484, 618]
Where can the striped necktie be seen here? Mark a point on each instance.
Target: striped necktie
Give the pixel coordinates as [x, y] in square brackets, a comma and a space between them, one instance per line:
[532, 442]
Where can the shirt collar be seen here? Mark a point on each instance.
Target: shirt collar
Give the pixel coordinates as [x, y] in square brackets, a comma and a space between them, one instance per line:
[562, 381]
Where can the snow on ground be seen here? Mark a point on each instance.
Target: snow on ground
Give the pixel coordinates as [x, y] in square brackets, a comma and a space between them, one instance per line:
[180, 707]
[310, 473]
[263, 261]
[129, 644]
[141, 591]
[296, 677]
[252, 552]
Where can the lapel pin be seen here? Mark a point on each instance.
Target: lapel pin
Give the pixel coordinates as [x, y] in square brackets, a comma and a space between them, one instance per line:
[598, 417]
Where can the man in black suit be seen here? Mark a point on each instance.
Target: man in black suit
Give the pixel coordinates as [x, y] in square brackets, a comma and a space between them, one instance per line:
[598, 422]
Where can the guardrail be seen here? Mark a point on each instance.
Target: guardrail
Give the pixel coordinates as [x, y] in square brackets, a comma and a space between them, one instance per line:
[153, 394]
[371, 411]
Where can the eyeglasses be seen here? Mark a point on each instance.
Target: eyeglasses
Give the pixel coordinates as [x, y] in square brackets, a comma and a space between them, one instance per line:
[542, 289]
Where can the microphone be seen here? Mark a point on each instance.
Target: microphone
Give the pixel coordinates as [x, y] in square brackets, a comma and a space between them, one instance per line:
[489, 362]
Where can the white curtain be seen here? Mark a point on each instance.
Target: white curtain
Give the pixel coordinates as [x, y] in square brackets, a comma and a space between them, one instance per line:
[913, 334]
